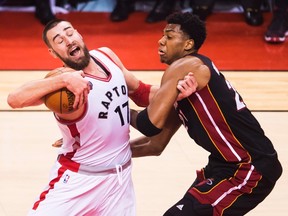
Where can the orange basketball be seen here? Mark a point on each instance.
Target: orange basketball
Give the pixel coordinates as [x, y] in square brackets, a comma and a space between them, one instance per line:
[60, 101]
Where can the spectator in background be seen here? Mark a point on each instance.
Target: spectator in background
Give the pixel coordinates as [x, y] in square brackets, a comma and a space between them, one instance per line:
[43, 11]
[122, 10]
[278, 28]
[202, 8]
[161, 9]
[252, 10]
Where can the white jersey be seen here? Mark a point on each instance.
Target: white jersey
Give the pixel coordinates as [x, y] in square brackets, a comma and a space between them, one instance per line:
[101, 137]
[92, 175]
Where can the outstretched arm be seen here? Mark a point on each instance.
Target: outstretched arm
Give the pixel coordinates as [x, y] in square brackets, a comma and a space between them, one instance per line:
[31, 93]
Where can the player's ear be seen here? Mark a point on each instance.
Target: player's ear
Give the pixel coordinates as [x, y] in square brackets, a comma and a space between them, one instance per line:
[189, 44]
[52, 53]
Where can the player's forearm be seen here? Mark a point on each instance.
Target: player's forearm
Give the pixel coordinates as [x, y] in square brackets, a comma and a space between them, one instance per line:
[162, 103]
[143, 94]
[151, 120]
[142, 146]
[155, 145]
[149, 146]
[30, 94]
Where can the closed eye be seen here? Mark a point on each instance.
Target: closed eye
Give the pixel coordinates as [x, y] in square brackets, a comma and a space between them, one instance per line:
[58, 40]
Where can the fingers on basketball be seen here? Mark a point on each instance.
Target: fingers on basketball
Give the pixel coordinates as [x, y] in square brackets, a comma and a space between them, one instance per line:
[62, 100]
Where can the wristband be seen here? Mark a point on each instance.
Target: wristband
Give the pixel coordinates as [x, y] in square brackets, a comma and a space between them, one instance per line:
[141, 95]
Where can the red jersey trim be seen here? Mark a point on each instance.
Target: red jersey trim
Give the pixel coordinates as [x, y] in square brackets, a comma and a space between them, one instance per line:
[223, 140]
[52, 183]
[225, 192]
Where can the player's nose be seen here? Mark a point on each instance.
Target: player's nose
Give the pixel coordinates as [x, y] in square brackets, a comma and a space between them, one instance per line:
[68, 40]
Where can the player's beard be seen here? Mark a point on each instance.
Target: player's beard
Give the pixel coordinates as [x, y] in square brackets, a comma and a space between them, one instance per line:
[79, 65]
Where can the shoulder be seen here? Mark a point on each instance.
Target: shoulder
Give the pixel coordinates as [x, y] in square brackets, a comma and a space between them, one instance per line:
[112, 55]
[104, 51]
[185, 64]
[107, 51]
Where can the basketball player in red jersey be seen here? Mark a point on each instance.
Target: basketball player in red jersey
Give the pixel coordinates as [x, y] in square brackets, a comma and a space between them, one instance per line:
[92, 175]
[243, 166]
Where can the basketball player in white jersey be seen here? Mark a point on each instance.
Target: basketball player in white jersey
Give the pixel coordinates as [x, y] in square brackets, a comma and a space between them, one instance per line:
[92, 175]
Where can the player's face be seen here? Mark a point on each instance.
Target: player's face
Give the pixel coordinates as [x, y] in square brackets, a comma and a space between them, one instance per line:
[68, 45]
[173, 43]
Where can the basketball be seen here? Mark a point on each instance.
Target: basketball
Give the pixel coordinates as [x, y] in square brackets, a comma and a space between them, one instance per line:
[60, 101]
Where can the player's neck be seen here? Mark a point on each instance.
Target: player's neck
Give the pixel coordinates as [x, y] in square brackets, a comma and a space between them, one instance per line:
[94, 69]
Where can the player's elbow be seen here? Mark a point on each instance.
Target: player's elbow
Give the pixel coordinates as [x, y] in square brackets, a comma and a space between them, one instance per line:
[157, 150]
[13, 102]
[156, 146]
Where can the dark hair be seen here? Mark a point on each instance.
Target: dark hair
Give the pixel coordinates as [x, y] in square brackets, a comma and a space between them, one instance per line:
[49, 26]
[191, 25]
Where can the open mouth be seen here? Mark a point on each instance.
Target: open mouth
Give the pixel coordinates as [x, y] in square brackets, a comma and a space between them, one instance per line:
[75, 51]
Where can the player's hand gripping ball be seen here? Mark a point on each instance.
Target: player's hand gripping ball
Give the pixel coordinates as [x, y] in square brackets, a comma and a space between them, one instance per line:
[60, 101]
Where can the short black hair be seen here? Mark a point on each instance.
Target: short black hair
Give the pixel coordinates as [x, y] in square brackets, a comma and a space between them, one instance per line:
[190, 24]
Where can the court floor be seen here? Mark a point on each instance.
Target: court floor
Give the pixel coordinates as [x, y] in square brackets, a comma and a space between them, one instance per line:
[26, 154]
